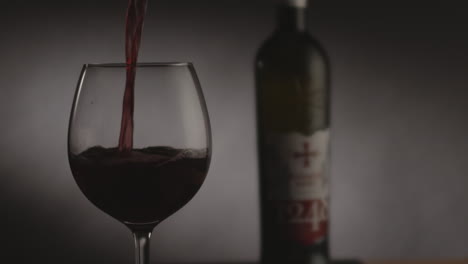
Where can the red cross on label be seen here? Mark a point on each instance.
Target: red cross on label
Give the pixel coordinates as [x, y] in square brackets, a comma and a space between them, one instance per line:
[306, 154]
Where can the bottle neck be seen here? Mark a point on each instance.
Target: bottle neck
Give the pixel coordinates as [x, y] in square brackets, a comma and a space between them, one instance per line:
[291, 19]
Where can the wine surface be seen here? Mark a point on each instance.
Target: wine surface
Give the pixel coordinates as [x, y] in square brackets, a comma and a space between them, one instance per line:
[134, 26]
[141, 186]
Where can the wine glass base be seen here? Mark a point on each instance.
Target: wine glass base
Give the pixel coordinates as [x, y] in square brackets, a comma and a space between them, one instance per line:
[142, 227]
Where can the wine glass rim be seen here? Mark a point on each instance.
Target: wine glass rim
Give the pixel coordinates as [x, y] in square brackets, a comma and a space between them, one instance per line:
[139, 65]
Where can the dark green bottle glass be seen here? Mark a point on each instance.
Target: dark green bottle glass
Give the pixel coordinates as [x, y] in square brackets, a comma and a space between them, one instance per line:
[293, 114]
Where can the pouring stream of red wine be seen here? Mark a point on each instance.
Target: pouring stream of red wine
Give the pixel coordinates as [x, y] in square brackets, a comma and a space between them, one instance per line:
[134, 25]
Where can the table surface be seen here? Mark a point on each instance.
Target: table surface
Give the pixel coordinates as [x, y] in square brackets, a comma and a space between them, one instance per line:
[460, 261]
[465, 261]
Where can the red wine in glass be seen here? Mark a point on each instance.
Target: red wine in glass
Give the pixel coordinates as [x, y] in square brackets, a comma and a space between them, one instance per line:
[141, 187]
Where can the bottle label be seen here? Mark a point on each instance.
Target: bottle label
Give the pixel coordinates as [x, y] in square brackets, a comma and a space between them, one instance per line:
[297, 184]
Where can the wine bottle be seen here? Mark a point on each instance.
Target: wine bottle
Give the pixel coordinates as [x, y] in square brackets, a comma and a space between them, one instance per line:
[293, 115]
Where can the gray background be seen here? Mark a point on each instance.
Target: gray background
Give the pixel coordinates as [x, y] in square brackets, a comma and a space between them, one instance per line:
[399, 118]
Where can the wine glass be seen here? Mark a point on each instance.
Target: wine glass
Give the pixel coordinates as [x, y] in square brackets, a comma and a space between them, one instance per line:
[170, 154]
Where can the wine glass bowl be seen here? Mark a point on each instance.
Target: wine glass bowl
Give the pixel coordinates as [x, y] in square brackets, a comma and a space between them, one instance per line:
[171, 141]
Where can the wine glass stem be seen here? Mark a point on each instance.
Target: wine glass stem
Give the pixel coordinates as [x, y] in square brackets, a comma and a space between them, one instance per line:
[142, 247]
